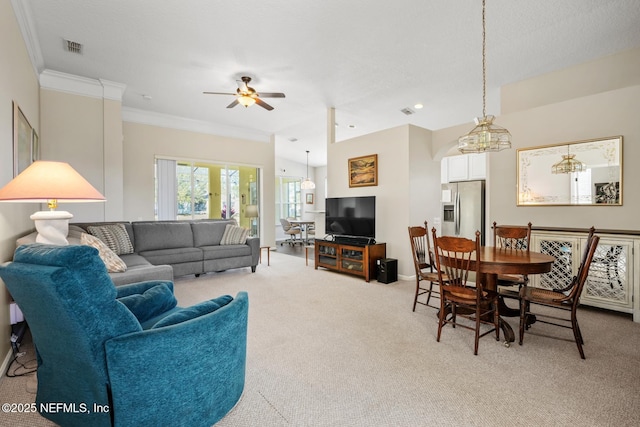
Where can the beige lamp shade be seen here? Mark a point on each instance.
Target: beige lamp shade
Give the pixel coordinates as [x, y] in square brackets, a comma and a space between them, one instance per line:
[251, 211]
[50, 182]
[45, 181]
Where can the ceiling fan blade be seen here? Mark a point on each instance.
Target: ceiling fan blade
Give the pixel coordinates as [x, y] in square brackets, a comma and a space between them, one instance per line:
[218, 93]
[233, 104]
[263, 104]
[271, 95]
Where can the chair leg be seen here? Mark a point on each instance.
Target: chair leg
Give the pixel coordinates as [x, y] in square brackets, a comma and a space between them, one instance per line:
[496, 320]
[523, 315]
[415, 299]
[453, 316]
[576, 333]
[441, 316]
[429, 294]
[475, 347]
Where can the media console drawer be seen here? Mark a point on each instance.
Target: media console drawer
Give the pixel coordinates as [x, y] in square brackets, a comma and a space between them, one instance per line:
[347, 258]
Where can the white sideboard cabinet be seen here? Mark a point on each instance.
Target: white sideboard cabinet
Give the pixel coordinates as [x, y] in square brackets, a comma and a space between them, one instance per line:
[613, 281]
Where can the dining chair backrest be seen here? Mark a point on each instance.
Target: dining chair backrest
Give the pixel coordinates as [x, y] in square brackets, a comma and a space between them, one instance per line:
[419, 248]
[286, 225]
[583, 271]
[587, 248]
[455, 257]
[512, 236]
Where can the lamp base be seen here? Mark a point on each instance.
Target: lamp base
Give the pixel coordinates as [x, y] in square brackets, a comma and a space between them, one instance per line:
[52, 227]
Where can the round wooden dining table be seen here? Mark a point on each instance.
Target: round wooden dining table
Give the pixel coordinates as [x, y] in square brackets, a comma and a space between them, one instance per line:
[494, 261]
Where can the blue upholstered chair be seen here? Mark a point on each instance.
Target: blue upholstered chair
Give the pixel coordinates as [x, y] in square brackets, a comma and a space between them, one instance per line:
[129, 349]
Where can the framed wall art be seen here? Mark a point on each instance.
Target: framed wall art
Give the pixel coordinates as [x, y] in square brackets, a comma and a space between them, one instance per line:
[363, 171]
[23, 141]
[309, 198]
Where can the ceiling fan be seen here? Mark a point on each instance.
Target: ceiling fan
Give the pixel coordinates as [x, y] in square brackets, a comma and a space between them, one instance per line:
[247, 96]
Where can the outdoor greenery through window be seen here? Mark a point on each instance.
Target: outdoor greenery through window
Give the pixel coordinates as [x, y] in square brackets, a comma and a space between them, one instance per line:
[201, 190]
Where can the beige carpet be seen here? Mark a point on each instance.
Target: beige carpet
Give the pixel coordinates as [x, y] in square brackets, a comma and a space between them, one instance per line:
[327, 349]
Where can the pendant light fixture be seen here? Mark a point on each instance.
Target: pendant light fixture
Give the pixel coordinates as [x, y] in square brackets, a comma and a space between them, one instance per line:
[307, 184]
[485, 136]
[568, 164]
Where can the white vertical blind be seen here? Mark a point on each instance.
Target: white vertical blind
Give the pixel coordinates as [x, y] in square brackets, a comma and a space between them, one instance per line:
[167, 189]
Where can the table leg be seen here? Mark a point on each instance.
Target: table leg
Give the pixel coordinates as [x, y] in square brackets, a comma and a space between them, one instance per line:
[491, 283]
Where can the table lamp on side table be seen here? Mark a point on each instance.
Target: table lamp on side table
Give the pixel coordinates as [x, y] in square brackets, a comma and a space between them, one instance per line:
[50, 182]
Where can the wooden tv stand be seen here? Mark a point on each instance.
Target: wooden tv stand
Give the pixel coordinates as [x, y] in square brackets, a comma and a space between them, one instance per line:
[352, 258]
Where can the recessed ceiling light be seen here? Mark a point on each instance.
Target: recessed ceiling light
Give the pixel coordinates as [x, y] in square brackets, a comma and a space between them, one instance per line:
[146, 97]
[418, 106]
[352, 126]
[293, 139]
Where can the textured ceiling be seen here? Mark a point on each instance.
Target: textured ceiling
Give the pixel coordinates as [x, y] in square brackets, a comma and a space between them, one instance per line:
[367, 58]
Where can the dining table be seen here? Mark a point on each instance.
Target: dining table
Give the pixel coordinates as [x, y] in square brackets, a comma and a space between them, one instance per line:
[495, 261]
[305, 225]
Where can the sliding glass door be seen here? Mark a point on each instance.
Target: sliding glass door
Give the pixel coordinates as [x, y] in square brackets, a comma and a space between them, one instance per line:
[208, 190]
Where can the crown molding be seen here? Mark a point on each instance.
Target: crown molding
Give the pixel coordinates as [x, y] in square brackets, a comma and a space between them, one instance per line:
[134, 115]
[23, 15]
[76, 85]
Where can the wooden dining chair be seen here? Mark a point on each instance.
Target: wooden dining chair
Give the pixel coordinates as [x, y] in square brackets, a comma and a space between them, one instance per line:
[567, 299]
[455, 257]
[512, 237]
[424, 264]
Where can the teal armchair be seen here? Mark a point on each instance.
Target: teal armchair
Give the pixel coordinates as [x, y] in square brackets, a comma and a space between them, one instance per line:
[125, 356]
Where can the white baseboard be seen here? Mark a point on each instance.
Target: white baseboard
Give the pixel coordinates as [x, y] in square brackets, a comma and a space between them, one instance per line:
[5, 363]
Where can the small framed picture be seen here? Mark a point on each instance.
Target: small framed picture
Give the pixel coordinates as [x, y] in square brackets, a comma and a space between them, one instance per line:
[309, 198]
[363, 171]
[23, 138]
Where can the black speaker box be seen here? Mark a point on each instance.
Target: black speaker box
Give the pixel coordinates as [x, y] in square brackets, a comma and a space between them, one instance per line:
[387, 270]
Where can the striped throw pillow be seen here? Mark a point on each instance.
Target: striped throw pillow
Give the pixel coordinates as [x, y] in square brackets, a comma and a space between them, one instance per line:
[234, 235]
[114, 235]
[112, 261]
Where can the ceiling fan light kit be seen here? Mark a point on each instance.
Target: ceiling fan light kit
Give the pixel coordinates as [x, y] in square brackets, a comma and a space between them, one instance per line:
[485, 136]
[247, 96]
[246, 100]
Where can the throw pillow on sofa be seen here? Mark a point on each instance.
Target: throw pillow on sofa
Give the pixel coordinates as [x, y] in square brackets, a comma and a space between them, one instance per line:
[153, 302]
[114, 235]
[192, 312]
[234, 235]
[112, 261]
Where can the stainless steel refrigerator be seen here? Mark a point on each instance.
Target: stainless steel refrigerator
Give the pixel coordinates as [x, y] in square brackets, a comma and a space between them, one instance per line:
[463, 209]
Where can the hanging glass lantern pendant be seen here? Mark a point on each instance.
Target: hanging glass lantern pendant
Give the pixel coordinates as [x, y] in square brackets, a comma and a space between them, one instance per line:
[568, 164]
[485, 137]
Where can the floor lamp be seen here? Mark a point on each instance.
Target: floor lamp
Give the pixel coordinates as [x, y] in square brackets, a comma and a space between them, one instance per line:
[251, 211]
[51, 183]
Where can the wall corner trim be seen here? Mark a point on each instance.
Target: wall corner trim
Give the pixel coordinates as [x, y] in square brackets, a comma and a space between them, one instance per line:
[77, 85]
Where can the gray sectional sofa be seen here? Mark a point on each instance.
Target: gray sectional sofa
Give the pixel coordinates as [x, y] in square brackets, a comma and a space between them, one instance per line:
[163, 250]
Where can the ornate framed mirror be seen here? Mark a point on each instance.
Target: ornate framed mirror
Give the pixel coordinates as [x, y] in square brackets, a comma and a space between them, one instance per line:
[575, 173]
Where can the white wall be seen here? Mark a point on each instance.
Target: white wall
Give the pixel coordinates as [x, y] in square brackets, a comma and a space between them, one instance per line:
[408, 179]
[19, 83]
[598, 112]
[142, 143]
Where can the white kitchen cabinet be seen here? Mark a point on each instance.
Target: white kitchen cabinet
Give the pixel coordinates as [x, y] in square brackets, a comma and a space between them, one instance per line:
[465, 167]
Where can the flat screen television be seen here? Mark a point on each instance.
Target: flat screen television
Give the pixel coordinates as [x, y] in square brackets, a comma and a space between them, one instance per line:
[351, 216]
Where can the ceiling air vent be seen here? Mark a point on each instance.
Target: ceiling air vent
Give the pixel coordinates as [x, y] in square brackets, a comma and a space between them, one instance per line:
[73, 47]
[408, 111]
